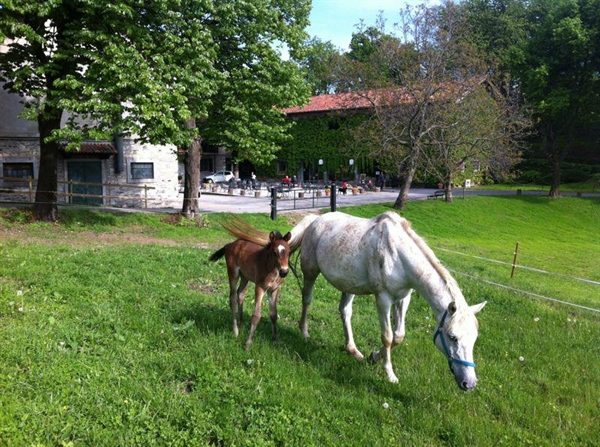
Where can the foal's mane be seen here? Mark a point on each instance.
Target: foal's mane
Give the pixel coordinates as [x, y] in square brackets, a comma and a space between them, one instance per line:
[241, 229]
[450, 282]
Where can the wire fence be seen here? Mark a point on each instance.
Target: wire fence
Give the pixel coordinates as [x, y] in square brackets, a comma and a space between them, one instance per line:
[523, 267]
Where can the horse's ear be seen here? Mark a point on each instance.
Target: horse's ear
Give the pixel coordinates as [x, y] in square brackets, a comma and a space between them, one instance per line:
[287, 237]
[271, 236]
[452, 308]
[477, 307]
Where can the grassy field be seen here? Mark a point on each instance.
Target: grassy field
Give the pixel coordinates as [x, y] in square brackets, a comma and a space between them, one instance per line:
[115, 330]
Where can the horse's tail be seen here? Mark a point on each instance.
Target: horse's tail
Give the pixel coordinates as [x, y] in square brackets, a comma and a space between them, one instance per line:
[299, 230]
[218, 254]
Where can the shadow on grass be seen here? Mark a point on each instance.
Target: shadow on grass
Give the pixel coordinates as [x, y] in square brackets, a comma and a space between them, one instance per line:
[325, 355]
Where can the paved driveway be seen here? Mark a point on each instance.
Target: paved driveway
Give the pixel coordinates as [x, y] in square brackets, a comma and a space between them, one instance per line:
[222, 203]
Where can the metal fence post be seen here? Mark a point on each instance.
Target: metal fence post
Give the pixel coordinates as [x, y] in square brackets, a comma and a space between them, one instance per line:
[273, 203]
[333, 197]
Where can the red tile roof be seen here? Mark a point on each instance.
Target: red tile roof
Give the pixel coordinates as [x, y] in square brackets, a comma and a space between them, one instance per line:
[330, 103]
[371, 98]
[93, 148]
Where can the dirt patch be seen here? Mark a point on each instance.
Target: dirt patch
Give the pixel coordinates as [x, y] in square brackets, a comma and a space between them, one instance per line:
[82, 239]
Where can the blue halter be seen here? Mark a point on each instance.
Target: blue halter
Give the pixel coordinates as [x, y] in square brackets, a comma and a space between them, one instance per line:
[445, 346]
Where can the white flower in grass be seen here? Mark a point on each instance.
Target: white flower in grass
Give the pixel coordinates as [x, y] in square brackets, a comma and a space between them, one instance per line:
[521, 359]
[250, 361]
[19, 293]
[536, 319]
[386, 405]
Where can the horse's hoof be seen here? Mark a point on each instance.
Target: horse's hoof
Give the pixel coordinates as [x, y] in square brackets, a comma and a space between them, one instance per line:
[393, 379]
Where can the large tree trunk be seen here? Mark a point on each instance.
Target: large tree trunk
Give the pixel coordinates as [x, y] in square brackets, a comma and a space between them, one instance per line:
[555, 156]
[448, 188]
[556, 179]
[407, 178]
[191, 178]
[45, 207]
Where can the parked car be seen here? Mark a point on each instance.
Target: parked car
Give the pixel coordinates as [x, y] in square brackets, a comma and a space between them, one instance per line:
[219, 177]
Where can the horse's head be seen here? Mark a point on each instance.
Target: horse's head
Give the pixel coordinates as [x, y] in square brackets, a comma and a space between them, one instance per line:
[455, 336]
[279, 247]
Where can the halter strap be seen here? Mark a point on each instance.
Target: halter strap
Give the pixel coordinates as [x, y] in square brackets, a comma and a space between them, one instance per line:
[445, 346]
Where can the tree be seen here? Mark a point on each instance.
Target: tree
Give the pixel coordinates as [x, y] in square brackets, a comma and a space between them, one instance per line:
[482, 129]
[154, 70]
[319, 66]
[557, 66]
[244, 113]
[418, 85]
[130, 72]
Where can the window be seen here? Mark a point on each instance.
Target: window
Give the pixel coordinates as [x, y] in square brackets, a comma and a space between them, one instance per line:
[18, 170]
[142, 170]
[207, 165]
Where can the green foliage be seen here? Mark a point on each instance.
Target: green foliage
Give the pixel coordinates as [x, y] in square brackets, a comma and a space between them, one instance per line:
[326, 137]
[146, 70]
[318, 65]
[130, 343]
[113, 72]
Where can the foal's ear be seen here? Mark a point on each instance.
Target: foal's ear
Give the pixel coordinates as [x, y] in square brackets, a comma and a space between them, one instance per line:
[271, 236]
[287, 237]
[477, 307]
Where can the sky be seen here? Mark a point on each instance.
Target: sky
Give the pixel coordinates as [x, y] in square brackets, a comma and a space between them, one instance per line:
[335, 20]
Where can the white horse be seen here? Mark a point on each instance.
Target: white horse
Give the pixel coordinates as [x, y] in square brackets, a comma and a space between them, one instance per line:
[385, 257]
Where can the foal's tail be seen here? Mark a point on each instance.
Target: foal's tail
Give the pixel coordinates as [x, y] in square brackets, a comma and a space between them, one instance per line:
[217, 254]
[241, 229]
[299, 230]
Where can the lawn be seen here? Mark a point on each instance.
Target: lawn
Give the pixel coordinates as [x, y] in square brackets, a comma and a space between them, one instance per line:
[115, 330]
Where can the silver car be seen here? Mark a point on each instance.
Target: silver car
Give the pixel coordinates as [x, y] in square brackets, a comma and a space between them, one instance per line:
[219, 177]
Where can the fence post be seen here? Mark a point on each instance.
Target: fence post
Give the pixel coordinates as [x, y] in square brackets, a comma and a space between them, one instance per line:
[145, 196]
[333, 197]
[30, 189]
[514, 265]
[273, 203]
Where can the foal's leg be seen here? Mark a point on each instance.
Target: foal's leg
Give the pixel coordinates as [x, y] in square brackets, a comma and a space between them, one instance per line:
[346, 314]
[241, 296]
[233, 302]
[258, 295]
[273, 298]
[384, 304]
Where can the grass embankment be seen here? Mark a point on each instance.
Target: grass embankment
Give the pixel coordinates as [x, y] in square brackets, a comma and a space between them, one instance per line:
[115, 330]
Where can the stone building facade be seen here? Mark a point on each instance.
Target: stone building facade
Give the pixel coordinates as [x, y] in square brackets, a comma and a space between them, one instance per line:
[119, 173]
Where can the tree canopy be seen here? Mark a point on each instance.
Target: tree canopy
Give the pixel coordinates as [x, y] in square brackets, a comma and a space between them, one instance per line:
[147, 68]
[550, 50]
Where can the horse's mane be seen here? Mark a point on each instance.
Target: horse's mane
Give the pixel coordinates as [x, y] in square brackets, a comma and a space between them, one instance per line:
[450, 282]
[241, 229]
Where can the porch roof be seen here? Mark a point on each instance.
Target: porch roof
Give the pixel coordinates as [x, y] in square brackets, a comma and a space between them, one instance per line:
[92, 148]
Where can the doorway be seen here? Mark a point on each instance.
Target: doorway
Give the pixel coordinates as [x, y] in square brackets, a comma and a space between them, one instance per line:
[87, 172]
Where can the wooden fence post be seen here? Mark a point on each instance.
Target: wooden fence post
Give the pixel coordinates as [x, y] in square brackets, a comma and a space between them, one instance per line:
[514, 264]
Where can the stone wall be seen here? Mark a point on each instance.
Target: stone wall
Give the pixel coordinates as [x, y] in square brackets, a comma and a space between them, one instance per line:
[163, 189]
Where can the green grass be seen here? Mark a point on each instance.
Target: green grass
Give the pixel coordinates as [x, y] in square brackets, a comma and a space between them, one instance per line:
[590, 186]
[115, 330]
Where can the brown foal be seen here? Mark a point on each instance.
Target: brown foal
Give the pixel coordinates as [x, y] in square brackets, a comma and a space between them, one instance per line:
[253, 257]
